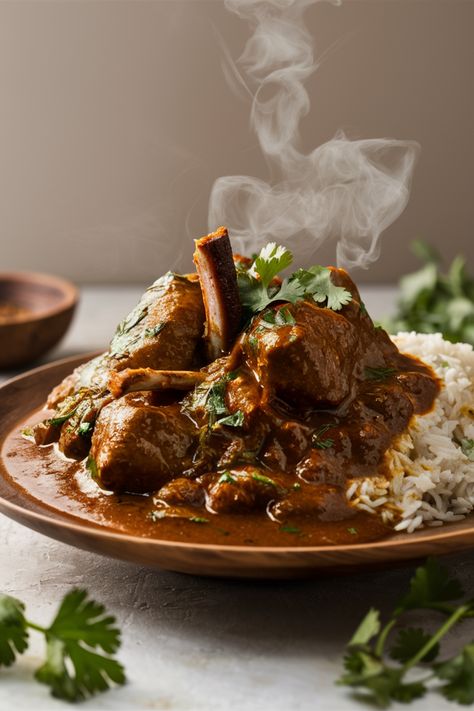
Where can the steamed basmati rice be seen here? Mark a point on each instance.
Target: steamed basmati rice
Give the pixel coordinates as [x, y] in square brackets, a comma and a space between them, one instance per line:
[431, 479]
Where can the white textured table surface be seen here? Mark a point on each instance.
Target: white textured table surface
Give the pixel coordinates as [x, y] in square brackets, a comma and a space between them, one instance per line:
[194, 643]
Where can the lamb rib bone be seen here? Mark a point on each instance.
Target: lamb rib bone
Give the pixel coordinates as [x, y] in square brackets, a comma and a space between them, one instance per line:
[136, 379]
[216, 269]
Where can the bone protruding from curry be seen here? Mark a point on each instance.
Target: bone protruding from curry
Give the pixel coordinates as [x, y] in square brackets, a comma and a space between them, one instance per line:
[136, 379]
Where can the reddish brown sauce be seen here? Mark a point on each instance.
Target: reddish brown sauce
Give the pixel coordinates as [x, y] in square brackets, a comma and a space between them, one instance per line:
[66, 486]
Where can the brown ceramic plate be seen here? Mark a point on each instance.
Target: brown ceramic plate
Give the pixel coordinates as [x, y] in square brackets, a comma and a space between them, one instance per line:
[20, 396]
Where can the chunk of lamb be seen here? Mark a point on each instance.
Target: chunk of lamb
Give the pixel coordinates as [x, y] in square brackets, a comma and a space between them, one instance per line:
[164, 331]
[303, 353]
[138, 447]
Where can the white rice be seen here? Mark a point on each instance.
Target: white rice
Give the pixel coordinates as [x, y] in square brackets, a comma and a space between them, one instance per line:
[431, 480]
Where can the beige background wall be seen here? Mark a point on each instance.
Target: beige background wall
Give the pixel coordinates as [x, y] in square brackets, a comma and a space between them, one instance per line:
[115, 119]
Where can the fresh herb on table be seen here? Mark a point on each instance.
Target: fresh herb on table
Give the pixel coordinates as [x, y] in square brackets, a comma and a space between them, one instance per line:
[74, 667]
[432, 301]
[259, 288]
[415, 651]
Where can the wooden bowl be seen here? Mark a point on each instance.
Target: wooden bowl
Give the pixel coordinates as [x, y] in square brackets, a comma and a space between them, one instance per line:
[24, 394]
[45, 308]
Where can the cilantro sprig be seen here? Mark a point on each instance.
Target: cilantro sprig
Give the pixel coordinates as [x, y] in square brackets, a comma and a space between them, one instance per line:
[434, 300]
[80, 644]
[415, 651]
[258, 287]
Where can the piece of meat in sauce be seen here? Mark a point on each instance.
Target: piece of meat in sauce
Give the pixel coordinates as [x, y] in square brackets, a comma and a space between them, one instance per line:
[138, 447]
[304, 354]
[164, 331]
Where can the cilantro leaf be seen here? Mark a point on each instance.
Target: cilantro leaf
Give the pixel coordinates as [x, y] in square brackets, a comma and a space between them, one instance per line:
[409, 642]
[432, 301]
[272, 259]
[13, 629]
[459, 672]
[368, 628]
[257, 292]
[429, 586]
[236, 419]
[319, 285]
[467, 446]
[379, 374]
[256, 476]
[73, 669]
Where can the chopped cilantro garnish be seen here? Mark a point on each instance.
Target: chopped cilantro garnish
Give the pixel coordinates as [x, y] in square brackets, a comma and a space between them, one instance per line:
[257, 291]
[467, 446]
[352, 531]
[287, 528]
[236, 419]
[62, 417]
[85, 427]
[379, 374]
[226, 478]
[91, 466]
[318, 442]
[198, 519]
[150, 332]
[263, 479]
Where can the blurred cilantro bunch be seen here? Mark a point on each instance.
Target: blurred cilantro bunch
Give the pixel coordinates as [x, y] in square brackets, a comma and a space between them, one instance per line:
[435, 302]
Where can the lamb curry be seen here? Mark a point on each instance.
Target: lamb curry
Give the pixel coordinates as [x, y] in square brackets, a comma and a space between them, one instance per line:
[235, 406]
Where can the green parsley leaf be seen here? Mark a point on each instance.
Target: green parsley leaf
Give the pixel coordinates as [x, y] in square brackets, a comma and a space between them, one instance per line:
[459, 672]
[430, 585]
[13, 629]
[409, 642]
[368, 628]
[271, 261]
[256, 291]
[62, 417]
[352, 531]
[378, 682]
[198, 519]
[73, 669]
[151, 332]
[85, 427]
[236, 419]
[318, 442]
[432, 301]
[318, 284]
[288, 528]
[379, 374]
[226, 478]
[263, 479]
[91, 466]
[467, 446]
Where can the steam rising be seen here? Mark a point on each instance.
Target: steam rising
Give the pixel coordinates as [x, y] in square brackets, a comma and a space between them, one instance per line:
[347, 191]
